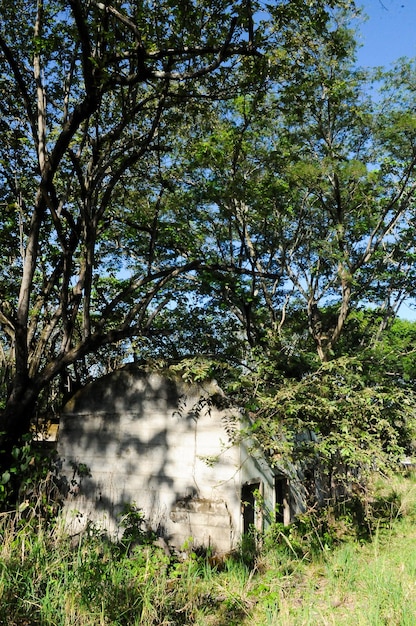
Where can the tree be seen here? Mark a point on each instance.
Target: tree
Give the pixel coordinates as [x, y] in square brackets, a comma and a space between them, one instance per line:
[310, 216]
[93, 96]
[302, 222]
[343, 420]
[90, 94]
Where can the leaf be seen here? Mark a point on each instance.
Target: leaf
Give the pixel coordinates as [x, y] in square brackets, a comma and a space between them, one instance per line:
[5, 477]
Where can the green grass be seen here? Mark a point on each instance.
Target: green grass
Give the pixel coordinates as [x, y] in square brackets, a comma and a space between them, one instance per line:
[320, 571]
[370, 584]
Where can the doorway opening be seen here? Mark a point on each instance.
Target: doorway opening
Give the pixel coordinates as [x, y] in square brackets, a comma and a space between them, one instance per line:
[250, 507]
[282, 513]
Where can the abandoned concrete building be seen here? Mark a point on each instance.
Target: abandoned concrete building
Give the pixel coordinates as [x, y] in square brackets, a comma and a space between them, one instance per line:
[178, 452]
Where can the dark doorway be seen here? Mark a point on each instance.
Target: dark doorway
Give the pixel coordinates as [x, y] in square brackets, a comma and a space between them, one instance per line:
[280, 490]
[248, 501]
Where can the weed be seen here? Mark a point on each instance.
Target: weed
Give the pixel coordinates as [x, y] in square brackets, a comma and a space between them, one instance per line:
[318, 571]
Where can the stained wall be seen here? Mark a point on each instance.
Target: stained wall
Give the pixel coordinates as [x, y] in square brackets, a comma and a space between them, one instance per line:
[174, 450]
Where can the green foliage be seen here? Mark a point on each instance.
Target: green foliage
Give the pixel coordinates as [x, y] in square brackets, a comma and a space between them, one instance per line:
[135, 530]
[92, 255]
[173, 219]
[299, 217]
[248, 550]
[339, 420]
[32, 472]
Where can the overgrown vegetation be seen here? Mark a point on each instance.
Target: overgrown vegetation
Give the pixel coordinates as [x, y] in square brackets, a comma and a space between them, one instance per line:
[151, 210]
[337, 568]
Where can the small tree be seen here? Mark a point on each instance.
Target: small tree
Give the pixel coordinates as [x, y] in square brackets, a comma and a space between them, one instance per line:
[345, 418]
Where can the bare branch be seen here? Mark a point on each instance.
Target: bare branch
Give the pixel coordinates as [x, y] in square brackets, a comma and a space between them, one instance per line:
[40, 91]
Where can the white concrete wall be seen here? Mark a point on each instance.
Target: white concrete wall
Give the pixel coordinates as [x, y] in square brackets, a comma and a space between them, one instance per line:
[163, 446]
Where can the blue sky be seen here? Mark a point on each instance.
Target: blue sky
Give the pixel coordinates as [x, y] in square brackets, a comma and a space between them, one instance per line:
[389, 33]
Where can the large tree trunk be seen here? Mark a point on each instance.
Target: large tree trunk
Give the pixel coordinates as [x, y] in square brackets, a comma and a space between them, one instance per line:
[15, 422]
[16, 417]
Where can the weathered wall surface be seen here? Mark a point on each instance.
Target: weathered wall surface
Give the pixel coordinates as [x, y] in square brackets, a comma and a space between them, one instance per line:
[144, 439]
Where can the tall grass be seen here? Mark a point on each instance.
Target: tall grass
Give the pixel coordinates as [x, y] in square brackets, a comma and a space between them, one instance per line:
[300, 576]
[356, 583]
